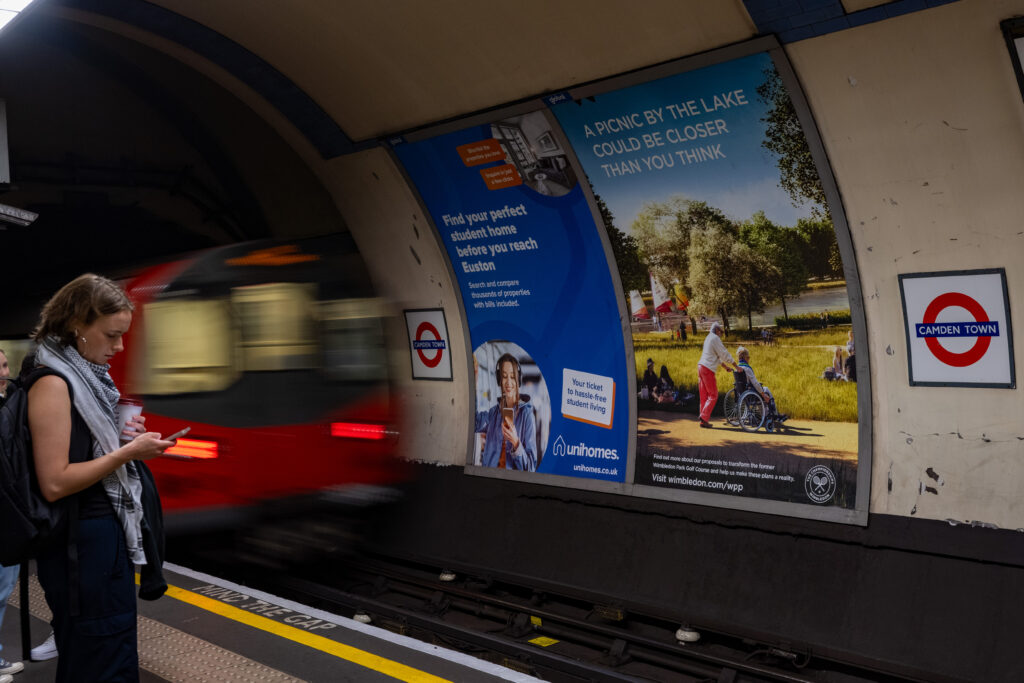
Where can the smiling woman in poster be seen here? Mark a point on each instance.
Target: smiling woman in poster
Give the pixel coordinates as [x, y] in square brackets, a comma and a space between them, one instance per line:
[510, 433]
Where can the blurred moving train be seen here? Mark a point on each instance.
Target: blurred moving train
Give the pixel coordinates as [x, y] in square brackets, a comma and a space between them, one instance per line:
[274, 354]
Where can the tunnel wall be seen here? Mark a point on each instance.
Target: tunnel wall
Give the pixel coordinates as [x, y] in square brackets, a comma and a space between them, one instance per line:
[407, 264]
[917, 114]
[923, 123]
[921, 119]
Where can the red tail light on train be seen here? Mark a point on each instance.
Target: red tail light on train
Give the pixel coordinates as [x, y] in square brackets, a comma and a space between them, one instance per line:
[193, 448]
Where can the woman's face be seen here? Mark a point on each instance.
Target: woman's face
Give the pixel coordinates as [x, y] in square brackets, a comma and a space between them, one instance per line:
[99, 342]
[509, 384]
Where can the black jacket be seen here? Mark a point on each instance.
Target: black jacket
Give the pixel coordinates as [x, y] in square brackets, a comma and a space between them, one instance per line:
[151, 577]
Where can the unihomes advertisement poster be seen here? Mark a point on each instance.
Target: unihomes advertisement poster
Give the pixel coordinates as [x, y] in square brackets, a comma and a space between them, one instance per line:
[551, 382]
[708, 186]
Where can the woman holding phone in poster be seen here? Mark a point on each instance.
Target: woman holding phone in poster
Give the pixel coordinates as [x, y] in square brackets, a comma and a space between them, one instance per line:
[510, 432]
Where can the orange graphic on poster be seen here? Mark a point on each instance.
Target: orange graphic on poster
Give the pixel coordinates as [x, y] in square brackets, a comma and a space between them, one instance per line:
[501, 176]
[481, 152]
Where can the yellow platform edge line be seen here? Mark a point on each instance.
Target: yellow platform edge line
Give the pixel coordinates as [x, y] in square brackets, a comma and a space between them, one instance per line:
[331, 647]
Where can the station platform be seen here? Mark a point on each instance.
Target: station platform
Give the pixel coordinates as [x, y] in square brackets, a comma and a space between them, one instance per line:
[209, 630]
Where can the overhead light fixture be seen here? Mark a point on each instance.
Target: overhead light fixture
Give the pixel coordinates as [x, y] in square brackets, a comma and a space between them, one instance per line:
[9, 9]
[12, 214]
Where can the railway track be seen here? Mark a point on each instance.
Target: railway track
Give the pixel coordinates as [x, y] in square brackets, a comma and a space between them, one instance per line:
[554, 637]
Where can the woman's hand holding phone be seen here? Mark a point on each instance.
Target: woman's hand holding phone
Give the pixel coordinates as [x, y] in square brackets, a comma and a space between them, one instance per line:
[178, 434]
[146, 446]
[508, 429]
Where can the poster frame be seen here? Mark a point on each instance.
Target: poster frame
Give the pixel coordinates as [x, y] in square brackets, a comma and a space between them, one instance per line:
[858, 514]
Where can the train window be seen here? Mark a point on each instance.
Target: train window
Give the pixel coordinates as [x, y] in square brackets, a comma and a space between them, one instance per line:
[276, 325]
[352, 335]
[188, 347]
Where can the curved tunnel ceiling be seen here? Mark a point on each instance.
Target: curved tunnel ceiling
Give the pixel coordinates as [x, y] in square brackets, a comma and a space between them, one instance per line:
[336, 76]
[130, 156]
[360, 71]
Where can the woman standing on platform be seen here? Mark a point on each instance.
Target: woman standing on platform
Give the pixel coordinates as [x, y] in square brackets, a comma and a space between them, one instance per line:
[89, 580]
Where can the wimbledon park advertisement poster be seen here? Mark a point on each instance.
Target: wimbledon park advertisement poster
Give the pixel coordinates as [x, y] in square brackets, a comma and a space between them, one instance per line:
[551, 380]
[682, 166]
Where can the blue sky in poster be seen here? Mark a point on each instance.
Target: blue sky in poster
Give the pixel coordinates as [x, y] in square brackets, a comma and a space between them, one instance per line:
[708, 124]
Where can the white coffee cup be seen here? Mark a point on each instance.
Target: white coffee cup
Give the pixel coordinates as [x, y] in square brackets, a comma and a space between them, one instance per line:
[127, 408]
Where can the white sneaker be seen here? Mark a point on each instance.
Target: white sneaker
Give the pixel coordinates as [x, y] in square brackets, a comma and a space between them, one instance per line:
[45, 650]
[8, 668]
[6, 678]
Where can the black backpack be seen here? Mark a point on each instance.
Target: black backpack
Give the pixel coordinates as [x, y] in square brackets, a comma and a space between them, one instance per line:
[27, 519]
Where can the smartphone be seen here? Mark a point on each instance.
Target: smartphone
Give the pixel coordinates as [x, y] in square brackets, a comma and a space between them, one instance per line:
[178, 434]
[506, 414]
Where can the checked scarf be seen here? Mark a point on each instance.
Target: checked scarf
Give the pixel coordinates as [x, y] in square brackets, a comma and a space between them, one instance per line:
[96, 401]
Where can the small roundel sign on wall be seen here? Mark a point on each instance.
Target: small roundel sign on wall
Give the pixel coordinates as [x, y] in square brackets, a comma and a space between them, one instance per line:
[429, 347]
[958, 328]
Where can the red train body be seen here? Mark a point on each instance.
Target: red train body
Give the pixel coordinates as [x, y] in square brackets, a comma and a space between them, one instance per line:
[274, 355]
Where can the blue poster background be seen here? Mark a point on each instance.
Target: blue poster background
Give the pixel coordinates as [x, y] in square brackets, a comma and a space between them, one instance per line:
[566, 313]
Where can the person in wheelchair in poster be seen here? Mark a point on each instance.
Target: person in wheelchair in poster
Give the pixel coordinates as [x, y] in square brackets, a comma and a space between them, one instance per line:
[749, 404]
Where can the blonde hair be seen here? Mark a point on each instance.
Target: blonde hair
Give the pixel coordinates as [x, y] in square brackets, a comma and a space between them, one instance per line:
[80, 301]
[742, 353]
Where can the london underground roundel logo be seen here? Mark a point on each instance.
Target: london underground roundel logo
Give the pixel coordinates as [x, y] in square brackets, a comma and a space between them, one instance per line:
[436, 344]
[981, 329]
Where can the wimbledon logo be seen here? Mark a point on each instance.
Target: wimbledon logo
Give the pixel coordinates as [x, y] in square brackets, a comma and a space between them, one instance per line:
[820, 484]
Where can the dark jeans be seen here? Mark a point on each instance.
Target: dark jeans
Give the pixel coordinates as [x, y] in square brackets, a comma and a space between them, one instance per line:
[100, 643]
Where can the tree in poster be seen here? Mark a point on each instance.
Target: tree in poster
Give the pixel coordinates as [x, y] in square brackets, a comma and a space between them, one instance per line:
[799, 177]
[729, 277]
[785, 138]
[783, 248]
[818, 244]
[625, 250]
[664, 231]
[710, 278]
[755, 280]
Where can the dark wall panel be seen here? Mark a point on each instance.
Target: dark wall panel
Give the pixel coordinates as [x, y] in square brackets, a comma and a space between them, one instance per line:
[915, 597]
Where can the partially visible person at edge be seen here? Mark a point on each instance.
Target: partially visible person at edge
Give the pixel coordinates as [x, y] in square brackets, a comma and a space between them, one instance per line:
[8, 575]
[713, 356]
[5, 372]
[78, 458]
[509, 445]
[850, 367]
